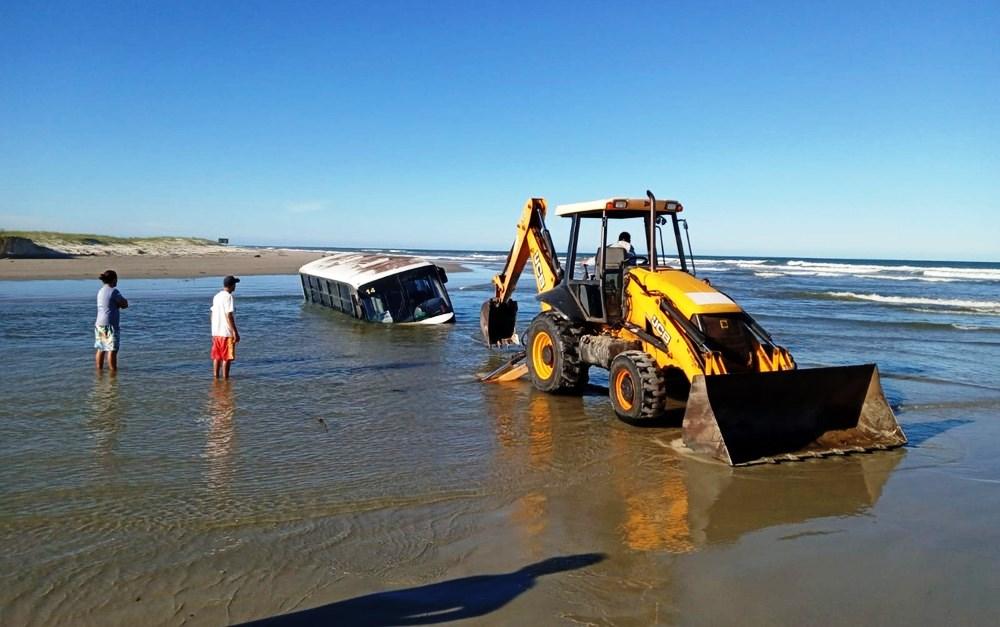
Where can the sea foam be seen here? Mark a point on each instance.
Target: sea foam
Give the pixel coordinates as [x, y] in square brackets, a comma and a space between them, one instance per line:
[977, 306]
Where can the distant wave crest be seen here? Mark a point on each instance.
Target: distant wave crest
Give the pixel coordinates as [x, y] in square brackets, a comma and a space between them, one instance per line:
[930, 272]
[940, 274]
[976, 306]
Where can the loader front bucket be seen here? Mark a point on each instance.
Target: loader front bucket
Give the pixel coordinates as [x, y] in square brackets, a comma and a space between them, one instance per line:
[497, 319]
[775, 416]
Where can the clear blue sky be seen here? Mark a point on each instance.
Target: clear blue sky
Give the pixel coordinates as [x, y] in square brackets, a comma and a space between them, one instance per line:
[849, 129]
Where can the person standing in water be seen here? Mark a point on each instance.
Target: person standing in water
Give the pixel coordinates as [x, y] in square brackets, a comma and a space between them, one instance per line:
[107, 334]
[225, 337]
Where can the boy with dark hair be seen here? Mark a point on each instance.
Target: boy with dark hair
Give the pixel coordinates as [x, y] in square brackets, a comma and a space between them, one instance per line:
[225, 337]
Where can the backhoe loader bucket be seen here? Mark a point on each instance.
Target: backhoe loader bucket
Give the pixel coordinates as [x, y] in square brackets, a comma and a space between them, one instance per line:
[775, 416]
[497, 320]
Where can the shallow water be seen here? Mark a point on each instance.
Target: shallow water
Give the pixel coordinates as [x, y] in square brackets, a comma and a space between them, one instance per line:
[359, 473]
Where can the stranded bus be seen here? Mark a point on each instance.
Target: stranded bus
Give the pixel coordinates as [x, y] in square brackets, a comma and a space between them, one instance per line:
[379, 288]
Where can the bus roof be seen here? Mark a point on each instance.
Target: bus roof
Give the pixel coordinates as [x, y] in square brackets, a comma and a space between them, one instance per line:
[626, 207]
[357, 269]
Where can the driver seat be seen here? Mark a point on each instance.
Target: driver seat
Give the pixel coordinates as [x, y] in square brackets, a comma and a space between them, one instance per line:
[610, 270]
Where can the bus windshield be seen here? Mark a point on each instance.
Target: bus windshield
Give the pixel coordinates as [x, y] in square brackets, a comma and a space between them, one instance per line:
[407, 297]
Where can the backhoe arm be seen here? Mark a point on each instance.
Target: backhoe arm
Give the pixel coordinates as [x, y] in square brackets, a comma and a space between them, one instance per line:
[532, 241]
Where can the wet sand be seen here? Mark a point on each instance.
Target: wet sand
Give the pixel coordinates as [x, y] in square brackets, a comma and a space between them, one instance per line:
[239, 262]
[358, 474]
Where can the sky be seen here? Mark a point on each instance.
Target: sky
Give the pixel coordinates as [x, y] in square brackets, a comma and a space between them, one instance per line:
[820, 129]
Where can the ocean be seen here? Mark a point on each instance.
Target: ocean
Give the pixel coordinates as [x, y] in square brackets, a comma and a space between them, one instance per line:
[359, 474]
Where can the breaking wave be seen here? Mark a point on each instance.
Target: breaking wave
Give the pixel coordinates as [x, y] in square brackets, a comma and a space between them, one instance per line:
[731, 262]
[974, 306]
[933, 274]
[963, 274]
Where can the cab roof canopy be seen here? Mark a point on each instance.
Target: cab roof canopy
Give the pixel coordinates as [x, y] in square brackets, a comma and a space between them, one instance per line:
[619, 207]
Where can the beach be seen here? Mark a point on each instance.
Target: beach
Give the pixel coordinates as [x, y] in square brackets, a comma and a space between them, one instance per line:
[192, 262]
[356, 473]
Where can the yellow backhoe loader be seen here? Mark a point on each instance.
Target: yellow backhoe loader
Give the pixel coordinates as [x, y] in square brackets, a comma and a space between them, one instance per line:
[668, 338]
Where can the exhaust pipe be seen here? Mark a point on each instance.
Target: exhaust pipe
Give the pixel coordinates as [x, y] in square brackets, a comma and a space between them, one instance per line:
[652, 230]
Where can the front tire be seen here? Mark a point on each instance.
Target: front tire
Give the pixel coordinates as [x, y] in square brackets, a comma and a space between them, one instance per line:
[636, 387]
[552, 354]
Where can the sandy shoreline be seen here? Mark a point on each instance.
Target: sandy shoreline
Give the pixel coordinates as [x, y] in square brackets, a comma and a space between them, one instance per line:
[246, 262]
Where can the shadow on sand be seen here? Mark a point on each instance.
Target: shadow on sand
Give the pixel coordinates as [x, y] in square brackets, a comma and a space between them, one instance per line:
[24, 248]
[441, 602]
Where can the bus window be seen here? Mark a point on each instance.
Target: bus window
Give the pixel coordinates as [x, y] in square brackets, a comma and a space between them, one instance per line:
[374, 306]
[334, 291]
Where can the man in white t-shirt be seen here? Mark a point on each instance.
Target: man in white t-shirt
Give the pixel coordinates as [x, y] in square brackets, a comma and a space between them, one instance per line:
[224, 333]
[625, 241]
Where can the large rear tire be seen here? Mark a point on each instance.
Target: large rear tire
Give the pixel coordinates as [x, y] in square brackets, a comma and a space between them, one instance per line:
[553, 356]
[636, 387]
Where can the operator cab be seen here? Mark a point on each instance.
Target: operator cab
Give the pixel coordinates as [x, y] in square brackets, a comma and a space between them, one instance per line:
[596, 280]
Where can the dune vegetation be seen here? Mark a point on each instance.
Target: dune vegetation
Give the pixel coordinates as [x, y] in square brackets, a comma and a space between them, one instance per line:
[47, 238]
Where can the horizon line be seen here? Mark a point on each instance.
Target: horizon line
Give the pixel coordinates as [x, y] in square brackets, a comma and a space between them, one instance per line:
[388, 249]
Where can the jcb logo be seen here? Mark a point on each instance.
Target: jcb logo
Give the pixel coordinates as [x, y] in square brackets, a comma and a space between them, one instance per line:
[536, 263]
[658, 328]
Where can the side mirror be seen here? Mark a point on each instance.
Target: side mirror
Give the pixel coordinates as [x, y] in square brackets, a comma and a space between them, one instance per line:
[442, 274]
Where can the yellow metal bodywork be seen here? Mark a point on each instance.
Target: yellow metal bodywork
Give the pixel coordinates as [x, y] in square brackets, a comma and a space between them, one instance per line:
[689, 296]
[529, 244]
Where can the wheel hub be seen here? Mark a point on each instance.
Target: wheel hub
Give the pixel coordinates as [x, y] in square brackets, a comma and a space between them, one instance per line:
[543, 355]
[547, 356]
[624, 389]
[628, 390]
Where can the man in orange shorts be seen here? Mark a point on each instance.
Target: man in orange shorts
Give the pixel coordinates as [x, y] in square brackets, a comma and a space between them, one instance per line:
[225, 337]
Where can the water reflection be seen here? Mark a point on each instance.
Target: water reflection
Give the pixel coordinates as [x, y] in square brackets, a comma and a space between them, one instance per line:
[220, 439]
[540, 431]
[530, 516]
[630, 484]
[104, 420]
[728, 502]
[655, 500]
[525, 442]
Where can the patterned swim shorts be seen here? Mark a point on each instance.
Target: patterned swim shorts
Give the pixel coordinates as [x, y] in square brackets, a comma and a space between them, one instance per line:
[105, 338]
